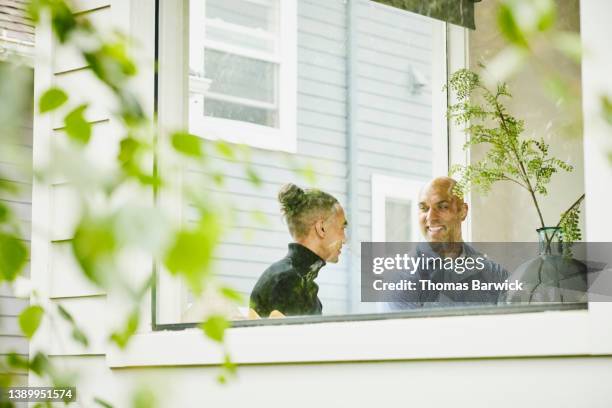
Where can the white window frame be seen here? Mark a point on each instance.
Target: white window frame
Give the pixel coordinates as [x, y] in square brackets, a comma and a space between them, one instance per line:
[384, 187]
[282, 138]
[540, 334]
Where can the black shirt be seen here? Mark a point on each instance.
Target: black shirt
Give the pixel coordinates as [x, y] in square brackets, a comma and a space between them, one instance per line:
[288, 285]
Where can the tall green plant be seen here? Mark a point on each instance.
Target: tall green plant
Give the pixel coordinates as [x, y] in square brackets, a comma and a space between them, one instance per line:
[510, 157]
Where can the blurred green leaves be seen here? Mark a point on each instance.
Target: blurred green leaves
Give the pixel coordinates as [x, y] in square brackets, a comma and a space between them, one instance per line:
[191, 250]
[13, 256]
[94, 244]
[30, 319]
[122, 337]
[214, 327]
[52, 99]
[76, 126]
[520, 19]
[187, 144]
[76, 332]
[606, 104]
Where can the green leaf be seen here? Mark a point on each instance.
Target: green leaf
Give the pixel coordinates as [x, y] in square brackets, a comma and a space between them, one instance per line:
[569, 44]
[52, 99]
[102, 402]
[94, 243]
[228, 365]
[29, 320]
[606, 104]
[80, 337]
[14, 360]
[509, 27]
[253, 176]
[308, 173]
[65, 314]
[123, 336]
[231, 294]
[4, 213]
[214, 327]
[187, 144]
[13, 256]
[225, 149]
[39, 364]
[76, 126]
[190, 254]
[144, 398]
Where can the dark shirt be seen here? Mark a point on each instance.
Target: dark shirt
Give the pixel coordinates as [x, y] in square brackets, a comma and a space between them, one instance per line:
[492, 272]
[288, 285]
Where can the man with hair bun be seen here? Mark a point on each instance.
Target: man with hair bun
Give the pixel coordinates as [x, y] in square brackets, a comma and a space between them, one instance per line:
[317, 224]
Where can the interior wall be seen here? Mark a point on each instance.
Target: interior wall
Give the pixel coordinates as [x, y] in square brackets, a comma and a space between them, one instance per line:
[543, 117]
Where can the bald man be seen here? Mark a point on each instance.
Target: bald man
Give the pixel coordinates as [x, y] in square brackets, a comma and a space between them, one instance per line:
[441, 213]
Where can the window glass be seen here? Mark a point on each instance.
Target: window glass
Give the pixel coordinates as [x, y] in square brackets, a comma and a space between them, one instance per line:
[234, 61]
[372, 132]
[398, 219]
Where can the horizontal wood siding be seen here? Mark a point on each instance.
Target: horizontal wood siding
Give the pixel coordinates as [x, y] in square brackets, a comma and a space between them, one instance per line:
[393, 125]
[15, 25]
[66, 283]
[16, 171]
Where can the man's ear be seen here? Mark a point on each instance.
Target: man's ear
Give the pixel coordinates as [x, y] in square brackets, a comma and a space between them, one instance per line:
[464, 211]
[319, 229]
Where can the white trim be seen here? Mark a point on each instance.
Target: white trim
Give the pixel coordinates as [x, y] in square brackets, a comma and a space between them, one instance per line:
[555, 333]
[242, 101]
[458, 58]
[280, 138]
[242, 52]
[439, 127]
[10, 47]
[238, 29]
[384, 187]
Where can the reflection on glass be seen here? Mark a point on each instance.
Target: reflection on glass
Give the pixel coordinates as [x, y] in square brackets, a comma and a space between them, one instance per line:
[234, 111]
[369, 103]
[237, 76]
[398, 226]
[261, 15]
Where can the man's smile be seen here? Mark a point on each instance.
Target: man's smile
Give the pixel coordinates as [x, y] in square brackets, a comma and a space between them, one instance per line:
[436, 228]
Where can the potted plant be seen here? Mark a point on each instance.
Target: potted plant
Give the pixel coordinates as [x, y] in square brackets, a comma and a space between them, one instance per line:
[511, 157]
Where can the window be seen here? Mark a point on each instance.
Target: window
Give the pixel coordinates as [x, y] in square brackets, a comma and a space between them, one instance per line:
[242, 77]
[366, 110]
[394, 209]
[567, 333]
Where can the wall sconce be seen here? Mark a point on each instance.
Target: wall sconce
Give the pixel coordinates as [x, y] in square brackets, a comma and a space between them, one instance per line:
[417, 82]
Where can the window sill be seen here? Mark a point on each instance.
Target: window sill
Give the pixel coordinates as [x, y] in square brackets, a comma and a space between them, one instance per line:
[533, 334]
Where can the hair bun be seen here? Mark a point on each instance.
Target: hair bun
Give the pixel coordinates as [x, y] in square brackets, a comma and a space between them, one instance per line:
[291, 198]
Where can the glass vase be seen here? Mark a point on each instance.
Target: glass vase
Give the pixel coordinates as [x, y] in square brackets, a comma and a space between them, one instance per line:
[554, 276]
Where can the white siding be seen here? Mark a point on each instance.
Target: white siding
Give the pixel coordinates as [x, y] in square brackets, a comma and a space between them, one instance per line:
[63, 278]
[393, 125]
[15, 170]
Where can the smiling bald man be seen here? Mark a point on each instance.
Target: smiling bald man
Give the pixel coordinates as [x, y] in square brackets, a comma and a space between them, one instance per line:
[441, 213]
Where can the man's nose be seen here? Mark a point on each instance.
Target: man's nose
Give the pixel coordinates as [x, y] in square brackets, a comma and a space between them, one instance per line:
[432, 214]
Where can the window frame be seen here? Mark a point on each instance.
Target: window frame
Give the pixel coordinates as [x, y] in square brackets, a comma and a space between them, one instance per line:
[283, 138]
[384, 187]
[534, 333]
